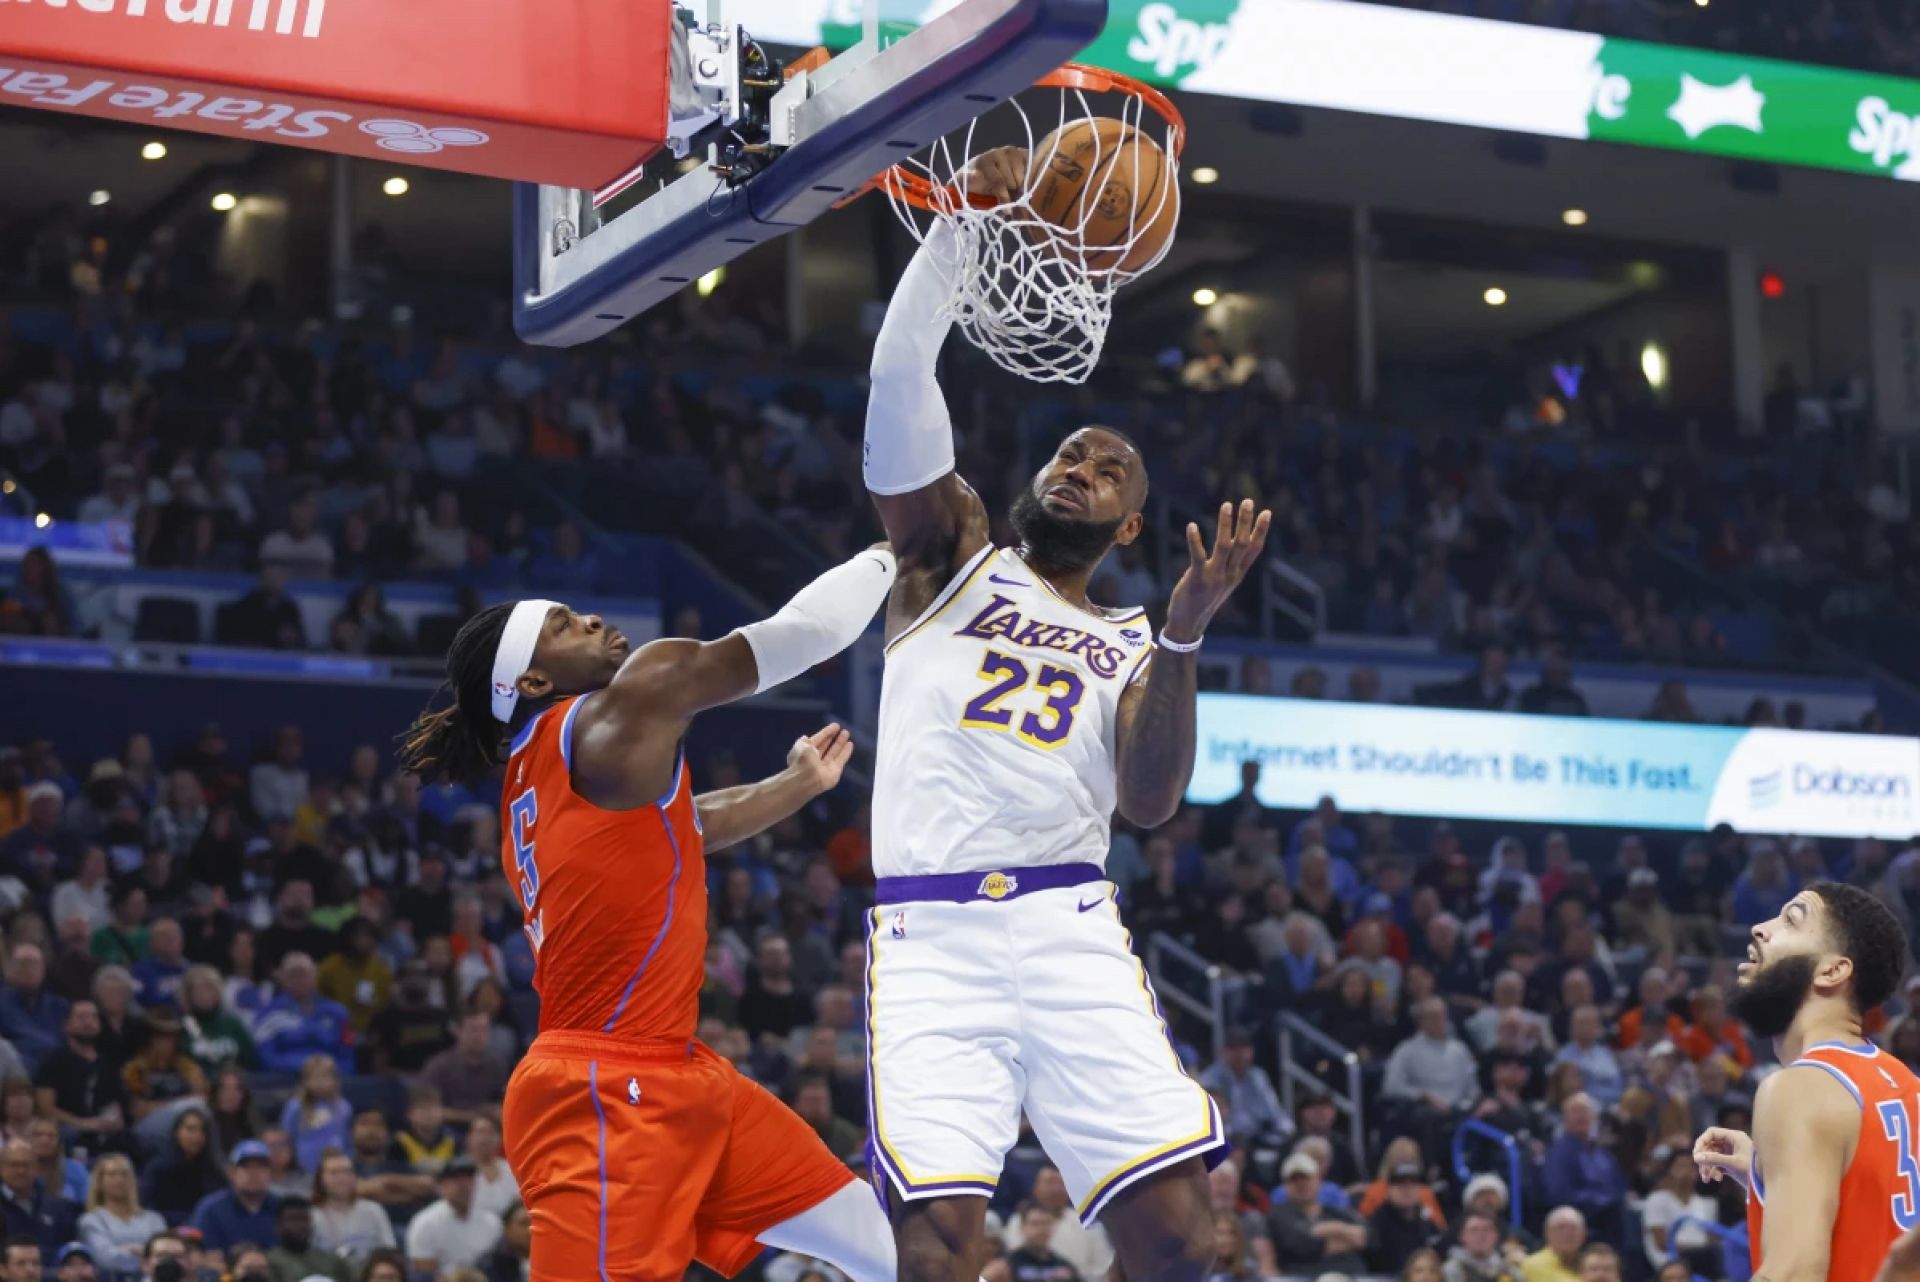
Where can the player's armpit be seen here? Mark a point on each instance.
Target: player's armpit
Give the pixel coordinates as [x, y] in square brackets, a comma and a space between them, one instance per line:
[1807, 1114]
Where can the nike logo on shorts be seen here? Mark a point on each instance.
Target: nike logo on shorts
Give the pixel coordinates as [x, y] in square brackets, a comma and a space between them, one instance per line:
[1089, 907]
[1012, 583]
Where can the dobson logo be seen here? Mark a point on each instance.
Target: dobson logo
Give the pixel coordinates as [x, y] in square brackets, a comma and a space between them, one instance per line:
[410, 139]
[1765, 791]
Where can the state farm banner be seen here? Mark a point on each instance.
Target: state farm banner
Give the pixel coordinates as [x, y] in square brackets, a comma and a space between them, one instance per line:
[569, 92]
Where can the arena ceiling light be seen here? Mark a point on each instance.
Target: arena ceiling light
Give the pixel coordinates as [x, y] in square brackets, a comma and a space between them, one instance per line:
[154, 151]
[224, 202]
[396, 186]
[99, 198]
[1574, 217]
[1206, 175]
[1204, 297]
[1495, 296]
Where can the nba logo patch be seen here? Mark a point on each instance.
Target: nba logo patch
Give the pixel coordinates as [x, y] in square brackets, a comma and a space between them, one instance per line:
[998, 885]
[900, 924]
[633, 1090]
[503, 688]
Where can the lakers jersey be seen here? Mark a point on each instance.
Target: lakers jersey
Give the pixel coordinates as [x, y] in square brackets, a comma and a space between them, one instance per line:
[998, 713]
[1880, 1193]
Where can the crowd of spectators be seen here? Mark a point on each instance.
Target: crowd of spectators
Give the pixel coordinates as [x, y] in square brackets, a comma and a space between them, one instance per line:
[1877, 35]
[267, 1005]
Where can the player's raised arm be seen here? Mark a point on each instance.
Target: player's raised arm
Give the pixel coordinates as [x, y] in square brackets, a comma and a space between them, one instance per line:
[1808, 1116]
[933, 519]
[1156, 730]
[814, 764]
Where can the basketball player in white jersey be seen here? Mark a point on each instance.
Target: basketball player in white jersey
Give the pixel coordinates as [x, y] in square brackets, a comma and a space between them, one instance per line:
[1015, 717]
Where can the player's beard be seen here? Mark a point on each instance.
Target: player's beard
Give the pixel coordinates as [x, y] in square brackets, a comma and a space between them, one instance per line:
[1059, 541]
[1773, 995]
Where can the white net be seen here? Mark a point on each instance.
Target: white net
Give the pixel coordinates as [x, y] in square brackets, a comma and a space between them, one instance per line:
[1035, 276]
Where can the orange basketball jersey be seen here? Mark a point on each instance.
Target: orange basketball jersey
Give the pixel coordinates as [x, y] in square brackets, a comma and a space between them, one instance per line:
[614, 901]
[1880, 1193]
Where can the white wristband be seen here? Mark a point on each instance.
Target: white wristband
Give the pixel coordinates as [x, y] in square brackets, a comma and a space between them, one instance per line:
[1166, 642]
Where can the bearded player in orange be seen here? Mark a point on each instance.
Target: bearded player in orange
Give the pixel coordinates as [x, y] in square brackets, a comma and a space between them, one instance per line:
[1832, 1171]
[637, 1149]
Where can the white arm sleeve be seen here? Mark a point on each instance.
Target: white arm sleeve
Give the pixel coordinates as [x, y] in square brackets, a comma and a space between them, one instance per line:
[824, 618]
[909, 432]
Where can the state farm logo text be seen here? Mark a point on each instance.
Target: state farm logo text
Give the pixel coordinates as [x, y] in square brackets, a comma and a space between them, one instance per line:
[276, 17]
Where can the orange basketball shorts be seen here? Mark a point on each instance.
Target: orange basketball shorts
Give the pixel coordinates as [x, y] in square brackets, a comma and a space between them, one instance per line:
[635, 1159]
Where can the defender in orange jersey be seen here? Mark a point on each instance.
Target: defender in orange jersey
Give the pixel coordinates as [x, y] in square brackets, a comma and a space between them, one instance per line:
[1832, 1170]
[637, 1149]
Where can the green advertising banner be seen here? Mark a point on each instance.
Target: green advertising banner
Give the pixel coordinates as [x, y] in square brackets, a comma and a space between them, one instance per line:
[1466, 71]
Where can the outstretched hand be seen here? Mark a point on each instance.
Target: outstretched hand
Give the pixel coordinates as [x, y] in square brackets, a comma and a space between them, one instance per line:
[1211, 576]
[1000, 174]
[821, 757]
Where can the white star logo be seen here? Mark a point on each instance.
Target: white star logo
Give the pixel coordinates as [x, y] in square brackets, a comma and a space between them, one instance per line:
[1702, 106]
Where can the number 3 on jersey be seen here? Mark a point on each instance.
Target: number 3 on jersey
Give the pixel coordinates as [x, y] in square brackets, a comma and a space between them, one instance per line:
[1048, 726]
[524, 811]
[1897, 1122]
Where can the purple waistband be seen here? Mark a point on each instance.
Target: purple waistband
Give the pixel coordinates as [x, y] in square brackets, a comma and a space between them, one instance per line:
[997, 886]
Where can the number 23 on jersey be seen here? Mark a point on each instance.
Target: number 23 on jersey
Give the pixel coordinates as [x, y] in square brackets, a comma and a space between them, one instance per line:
[1046, 726]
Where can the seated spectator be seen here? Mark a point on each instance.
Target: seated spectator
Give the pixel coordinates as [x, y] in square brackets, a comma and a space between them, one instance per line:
[1480, 1256]
[18, 1102]
[266, 618]
[1315, 1118]
[33, 1211]
[1599, 1263]
[116, 1227]
[234, 1117]
[1254, 1114]
[1226, 1194]
[1678, 1193]
[494, 1188]
[86, 894]
[772, 1006]
[74, 1263]
[294, 929]
[295, 1256]
[811, 1098]
[1400, 1152]
[1599, 1067]
[113, 990]
[1512, 1102]
[71, 974]
[247, 1210]
[20, 1258]
[1554, 694]
[384, 1177]
[317, 1117]
[162, 1076]
[123, 940]
[161, 972]
[1712, 1032]
[1085, 1247]
[248, 1260]
[186, 1172]
[215, 1036]
[358, 977]
[425, 1143]
[453, 1232]
[1430, 1076]
[1509, 994]
[31, 1018]
[1350, 1015]
[1308, 1236]
[1301, 970]
[33, 852]
[468, 1075]
[77, 1086]
[345, 1223]
[509, 1261]
[1581, 1174]
[1559, 1259]
[300, 1023]
[1403, 1224]
[1034, 1259]
[168, 1258]
[1641, 920]
[60, 1173]
[411, 1030]
[284, 1177]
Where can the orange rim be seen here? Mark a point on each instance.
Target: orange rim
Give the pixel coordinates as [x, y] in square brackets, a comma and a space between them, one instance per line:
[903, 184]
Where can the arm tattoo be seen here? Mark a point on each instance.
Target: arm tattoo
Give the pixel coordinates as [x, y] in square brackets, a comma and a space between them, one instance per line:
[1156, 759]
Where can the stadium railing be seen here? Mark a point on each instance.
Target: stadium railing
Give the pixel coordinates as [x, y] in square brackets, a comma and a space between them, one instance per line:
[1516, 1165]
[1176, 985]
[1349, 1103]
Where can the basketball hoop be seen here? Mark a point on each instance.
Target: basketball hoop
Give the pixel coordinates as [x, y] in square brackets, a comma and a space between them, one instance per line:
[1033, 285]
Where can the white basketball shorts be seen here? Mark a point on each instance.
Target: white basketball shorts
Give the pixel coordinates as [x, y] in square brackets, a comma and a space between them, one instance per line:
[993, 993]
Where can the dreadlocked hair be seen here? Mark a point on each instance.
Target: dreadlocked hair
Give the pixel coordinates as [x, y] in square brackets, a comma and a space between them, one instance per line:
[461, 741]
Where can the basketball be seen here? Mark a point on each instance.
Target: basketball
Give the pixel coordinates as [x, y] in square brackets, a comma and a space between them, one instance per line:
[1112, 185]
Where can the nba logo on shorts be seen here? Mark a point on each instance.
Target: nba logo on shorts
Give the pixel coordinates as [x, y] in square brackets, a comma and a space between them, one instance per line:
[633, 1090]
[900, 924]
[998, 885]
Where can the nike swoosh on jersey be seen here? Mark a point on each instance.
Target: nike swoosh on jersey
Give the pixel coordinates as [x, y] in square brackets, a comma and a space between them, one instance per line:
[1012, 583]
[1087, 908]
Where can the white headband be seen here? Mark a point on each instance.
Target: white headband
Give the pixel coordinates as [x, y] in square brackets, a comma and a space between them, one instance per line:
[515, 654]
